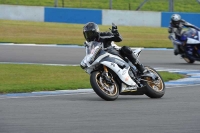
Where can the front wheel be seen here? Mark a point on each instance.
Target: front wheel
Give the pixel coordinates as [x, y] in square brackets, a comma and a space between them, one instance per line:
[154, 88]
[108, 91]
[188, 60]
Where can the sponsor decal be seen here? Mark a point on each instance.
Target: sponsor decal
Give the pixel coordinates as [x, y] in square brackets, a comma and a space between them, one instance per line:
[127, 78]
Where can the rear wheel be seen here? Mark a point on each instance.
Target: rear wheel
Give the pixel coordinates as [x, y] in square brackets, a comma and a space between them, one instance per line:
[154, 88]
[107, 90]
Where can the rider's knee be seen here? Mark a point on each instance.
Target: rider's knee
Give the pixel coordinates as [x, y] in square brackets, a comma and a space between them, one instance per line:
[126, 50]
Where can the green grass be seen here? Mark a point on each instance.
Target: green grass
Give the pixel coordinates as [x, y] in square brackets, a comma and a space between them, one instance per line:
[28, 78]
[167, 76]
[151, 5]
[62, 33]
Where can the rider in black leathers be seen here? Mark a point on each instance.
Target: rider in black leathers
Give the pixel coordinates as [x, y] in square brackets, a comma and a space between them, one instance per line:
[175, 31]
[91, 33]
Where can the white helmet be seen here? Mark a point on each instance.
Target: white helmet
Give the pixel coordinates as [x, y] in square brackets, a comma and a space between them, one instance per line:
[175, 19]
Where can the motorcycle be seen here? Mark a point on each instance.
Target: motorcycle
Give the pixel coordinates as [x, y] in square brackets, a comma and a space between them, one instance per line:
[112, 75]
[190, 51]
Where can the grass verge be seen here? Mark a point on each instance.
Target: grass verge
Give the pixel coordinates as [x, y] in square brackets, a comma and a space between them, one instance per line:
[63, 33]
[17, 78]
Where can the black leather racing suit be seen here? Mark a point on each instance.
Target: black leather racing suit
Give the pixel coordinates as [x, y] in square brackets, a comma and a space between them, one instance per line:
[107, 37]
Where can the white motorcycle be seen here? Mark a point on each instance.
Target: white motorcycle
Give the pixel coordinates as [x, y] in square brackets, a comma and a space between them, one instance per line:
[112, 75]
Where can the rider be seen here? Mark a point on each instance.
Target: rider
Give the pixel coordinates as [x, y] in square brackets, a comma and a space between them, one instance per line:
[175, 31]
[91, 33]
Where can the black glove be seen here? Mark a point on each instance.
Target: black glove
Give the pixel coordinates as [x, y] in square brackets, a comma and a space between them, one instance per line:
[114, 30]
[170, 30]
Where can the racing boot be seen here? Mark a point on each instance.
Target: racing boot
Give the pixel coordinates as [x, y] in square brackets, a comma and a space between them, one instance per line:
[127, 52]
[138, 65]
[178, 47]
[176, 50]
[143, 72]
[141, 69]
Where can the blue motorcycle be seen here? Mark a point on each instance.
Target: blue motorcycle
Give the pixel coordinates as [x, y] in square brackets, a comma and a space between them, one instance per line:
[190, 50]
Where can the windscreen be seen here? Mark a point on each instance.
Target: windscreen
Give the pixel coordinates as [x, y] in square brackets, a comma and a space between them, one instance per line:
[190, 33]
[93, 46]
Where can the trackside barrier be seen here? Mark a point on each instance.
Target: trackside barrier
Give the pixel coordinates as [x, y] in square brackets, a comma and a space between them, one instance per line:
[102, 17]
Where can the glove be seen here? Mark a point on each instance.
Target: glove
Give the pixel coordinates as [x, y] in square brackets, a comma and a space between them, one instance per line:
[114, 30]
[170, 30]
[172, 37]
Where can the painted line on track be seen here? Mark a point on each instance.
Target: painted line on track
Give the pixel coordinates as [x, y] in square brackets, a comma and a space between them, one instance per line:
[191, 79]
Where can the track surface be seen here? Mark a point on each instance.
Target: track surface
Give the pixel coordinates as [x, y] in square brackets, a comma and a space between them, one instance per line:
[177, 112]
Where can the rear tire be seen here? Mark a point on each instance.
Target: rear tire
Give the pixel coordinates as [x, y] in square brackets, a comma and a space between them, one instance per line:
[104, 90]
[154, 89]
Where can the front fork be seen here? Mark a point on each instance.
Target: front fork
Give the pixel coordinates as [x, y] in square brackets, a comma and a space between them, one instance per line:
[106, 76]
[105, 70]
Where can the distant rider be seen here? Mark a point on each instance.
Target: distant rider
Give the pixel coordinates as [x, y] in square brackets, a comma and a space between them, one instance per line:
[175, 31]
[91, 33]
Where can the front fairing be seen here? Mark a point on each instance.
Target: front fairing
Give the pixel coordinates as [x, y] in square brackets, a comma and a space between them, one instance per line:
[91, 49]
[192, 36]
[191, 33]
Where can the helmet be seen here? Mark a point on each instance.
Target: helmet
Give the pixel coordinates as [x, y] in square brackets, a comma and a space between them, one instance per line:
[90, 31]
[175, 19]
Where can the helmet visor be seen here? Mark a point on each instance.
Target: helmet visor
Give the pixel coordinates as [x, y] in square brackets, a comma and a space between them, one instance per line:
[90, 35]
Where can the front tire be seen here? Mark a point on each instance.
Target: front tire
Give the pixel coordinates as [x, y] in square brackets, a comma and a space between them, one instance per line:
[154, 89]
[104, 90]
[188, 60]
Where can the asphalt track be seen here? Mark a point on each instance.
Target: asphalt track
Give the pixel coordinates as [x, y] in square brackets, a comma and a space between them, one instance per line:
[177, 112]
